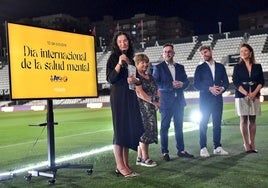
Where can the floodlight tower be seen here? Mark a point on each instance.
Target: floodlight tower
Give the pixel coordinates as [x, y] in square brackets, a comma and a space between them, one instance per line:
[219, 23]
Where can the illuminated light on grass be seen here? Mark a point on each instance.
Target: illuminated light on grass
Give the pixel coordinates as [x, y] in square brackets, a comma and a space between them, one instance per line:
[188, 126]
[9, 175]
[85, 154]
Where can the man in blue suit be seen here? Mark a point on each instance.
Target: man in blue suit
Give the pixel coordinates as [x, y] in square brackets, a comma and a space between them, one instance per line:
[171, 80]
[211, 80]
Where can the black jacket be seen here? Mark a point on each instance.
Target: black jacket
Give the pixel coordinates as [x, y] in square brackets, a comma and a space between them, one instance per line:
[242, 78]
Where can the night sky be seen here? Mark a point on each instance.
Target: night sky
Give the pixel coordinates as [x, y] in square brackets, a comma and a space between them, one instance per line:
[204, 14]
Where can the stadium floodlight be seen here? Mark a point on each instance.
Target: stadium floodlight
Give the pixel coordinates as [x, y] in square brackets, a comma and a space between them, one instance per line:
[195, 116]
[261, 98]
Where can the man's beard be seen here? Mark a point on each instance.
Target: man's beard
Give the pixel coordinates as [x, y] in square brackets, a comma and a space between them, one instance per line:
[208, 58]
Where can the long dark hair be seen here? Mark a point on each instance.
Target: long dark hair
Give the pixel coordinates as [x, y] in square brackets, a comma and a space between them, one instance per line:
[115, 48]
[252, 57]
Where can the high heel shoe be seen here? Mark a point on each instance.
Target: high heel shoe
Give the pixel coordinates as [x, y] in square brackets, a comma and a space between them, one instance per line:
[253, 149]
[131, 174]
[250, 150]
[247, 149]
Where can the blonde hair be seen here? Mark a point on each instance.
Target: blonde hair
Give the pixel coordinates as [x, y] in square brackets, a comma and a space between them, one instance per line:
[141, 57]
[204, 47]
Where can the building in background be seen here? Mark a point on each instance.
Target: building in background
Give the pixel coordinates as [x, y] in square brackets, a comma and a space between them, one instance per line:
[256, 20]
[143, 28]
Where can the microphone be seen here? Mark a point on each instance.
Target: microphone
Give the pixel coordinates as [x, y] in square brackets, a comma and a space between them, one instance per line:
[124, 52]
[124, 63]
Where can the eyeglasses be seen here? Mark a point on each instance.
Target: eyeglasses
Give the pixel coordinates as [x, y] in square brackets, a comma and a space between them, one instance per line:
[168, 52]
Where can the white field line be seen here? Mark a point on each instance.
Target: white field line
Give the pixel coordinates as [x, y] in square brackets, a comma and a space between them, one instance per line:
[73, 135]
[60, 137]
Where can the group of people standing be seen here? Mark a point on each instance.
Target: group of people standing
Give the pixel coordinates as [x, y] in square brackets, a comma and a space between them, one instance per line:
[134, 111]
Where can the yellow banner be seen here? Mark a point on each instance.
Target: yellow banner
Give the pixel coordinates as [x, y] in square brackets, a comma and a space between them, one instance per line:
[46, 63]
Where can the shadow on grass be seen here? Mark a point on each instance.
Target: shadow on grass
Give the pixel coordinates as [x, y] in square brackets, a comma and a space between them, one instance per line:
[214, 166]
[190, 172]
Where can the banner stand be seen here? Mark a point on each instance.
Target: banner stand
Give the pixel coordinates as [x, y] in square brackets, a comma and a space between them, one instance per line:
[52, 168]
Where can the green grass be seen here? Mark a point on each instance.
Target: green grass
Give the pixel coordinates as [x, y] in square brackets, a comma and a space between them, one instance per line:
[81, 130]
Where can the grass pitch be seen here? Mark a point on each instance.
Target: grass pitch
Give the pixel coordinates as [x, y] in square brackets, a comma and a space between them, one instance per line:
[83, 130]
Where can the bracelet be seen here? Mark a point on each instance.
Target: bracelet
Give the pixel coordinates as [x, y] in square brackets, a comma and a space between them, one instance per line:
[138, 83]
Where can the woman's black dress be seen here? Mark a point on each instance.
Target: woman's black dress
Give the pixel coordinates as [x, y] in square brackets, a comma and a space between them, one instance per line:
[127, 122]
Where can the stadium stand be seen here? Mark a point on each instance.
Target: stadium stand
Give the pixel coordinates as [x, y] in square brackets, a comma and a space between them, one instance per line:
[4, 81]
[258, 43]
[102, 58]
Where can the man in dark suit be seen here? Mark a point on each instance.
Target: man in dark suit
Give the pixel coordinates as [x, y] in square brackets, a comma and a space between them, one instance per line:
[171, 80]
[211, 80]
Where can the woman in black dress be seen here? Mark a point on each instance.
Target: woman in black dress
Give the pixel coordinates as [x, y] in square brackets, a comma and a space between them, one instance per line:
[127, 122]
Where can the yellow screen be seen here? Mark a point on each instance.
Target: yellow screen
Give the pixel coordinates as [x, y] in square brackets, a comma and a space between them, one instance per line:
[46, 63]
